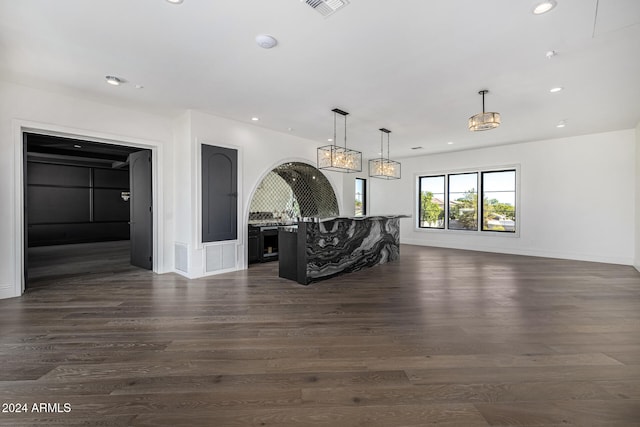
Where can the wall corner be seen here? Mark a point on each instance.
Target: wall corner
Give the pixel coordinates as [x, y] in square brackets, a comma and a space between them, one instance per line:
[636, 256]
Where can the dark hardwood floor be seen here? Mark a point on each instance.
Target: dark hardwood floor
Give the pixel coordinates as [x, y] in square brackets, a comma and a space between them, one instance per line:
[50, 264]
[445, 337]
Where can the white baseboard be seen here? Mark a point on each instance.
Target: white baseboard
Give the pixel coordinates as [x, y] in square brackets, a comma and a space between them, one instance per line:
[531, 252]
[199, 276]
[7, 291]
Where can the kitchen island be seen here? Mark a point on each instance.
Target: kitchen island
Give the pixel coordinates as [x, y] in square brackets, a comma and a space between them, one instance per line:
[319, 249]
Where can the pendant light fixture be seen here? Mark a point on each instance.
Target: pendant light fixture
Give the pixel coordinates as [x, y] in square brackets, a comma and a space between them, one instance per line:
[339, 159]
[384, 168]
[484, 120]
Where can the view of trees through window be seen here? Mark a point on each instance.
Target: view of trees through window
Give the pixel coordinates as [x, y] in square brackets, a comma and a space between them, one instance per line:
[455, 197]
[463, 201]
[432, 201]
[361, 197]
[499, 201]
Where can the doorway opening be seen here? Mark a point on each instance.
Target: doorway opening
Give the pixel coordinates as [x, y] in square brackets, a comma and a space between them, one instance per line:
[87, 208]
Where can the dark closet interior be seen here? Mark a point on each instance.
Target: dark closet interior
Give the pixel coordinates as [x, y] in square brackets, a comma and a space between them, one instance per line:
[76, 192]
[76, 204]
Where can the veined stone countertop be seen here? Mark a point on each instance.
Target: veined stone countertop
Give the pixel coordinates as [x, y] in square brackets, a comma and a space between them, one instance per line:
[374, 217]
[294, 227]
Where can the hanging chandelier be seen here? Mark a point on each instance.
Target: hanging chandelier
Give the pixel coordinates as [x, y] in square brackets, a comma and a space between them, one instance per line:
[484, 120]
[384, 168]
[339, 159]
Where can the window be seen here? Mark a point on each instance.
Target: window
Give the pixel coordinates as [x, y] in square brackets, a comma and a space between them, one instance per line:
[431, 204]
[463, 201]
[454, 196]
[499, 201]
[361, 197]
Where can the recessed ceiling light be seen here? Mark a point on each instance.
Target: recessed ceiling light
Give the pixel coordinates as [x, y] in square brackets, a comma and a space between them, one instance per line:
[77, 146]
[450, 143]
[550, 54]
[561, 124]
[555, 89]
[113, 80]
[255, 119]
[290, 129]
[266, 41]
[175, 1]
[544, 7]
[330, 139]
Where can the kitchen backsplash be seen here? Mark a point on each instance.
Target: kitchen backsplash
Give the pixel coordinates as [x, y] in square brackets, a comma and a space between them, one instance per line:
[293, 190]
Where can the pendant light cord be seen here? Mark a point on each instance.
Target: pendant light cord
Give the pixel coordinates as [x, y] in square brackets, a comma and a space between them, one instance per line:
[334, 127]
[483, 92]
[388, 152]
[345, 133]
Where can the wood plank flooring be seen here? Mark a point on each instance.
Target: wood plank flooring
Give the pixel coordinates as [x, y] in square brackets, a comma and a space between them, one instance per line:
[48, 264]
[446, 337]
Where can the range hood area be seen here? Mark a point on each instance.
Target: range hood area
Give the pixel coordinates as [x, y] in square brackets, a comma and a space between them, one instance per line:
[290, 191]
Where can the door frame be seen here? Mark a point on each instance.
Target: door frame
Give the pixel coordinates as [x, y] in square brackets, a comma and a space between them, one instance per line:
[22, 126]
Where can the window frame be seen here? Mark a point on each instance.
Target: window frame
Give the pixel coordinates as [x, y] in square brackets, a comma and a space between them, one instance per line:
[448, 200]
[515, 200]
[444, 195]
[479, 191]
[364, 196]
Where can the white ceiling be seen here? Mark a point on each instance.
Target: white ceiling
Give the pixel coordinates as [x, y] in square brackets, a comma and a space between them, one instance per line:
[412, 66]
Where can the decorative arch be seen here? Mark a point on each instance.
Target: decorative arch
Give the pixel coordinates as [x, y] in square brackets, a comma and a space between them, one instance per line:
[291, 190]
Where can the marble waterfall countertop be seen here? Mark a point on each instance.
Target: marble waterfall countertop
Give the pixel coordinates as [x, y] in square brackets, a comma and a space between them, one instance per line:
[318, 249]
[293, 228]
[361, 217]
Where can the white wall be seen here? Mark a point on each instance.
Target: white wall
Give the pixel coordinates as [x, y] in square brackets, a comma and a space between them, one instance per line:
[57, 113]
[636, 261]
[259, 151]
[577, 198]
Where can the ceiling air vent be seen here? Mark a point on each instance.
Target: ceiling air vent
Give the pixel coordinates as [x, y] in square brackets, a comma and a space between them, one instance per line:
[326, 7]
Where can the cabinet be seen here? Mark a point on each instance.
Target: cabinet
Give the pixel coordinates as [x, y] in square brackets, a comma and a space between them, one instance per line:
[254, 244]
[219, 193]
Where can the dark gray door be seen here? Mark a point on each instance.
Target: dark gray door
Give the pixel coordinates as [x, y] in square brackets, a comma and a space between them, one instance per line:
[141, 221]
[219, 194]
[25, 207]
